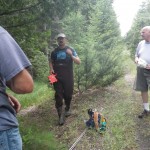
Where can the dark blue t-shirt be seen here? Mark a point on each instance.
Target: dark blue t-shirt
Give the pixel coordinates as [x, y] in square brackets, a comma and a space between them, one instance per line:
[62, 62]
[60, 55]
[12, 61]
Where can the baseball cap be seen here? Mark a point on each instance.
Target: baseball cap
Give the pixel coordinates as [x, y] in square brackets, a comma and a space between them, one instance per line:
[61, 35]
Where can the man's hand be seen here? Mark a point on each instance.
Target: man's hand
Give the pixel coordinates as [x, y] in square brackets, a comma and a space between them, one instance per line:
[15, 103]
[148, 66]
[136, 60]
[51, 71]
[69, 52]
[75, 59]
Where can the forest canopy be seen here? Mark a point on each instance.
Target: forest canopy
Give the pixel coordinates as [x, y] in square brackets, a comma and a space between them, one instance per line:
[91, 27]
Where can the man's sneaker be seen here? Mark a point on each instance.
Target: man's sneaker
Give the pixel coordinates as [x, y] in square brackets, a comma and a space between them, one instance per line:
[144, 114]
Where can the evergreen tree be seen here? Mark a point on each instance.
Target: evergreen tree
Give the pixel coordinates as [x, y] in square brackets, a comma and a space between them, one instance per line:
[142, 19]
[96, 34]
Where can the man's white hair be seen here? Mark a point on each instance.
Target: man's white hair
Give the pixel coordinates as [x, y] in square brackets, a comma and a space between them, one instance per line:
[147, 28]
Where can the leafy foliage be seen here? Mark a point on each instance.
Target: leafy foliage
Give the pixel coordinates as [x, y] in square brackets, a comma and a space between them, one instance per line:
[90, 26]
[40, 63]
[97, 39]
[142, 19]
[30, 23]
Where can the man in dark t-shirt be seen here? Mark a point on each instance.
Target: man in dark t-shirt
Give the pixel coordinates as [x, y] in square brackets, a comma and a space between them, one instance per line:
[61, 63]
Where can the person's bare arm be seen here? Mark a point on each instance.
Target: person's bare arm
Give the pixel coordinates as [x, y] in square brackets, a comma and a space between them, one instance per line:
[22, 83]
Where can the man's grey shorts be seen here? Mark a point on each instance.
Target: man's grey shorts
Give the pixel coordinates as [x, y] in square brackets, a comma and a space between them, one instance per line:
[142, 80]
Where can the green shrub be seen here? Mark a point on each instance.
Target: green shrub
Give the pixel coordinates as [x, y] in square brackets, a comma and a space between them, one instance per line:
[40, 66]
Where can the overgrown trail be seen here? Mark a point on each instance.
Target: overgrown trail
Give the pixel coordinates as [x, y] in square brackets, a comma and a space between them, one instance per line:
[121, 106]
[142, 125]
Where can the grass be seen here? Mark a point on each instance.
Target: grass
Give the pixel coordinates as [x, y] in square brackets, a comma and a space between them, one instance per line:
[121, 133]
[41, 93]
[121, 126]
[36, 137]
[39, 139]
[120, 105]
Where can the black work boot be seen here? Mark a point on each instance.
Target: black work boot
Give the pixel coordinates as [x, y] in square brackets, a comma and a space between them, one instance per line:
[61, 116]
[67, 112]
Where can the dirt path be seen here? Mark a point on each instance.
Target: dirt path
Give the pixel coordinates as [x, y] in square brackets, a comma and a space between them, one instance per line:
[142, 125]
[110, 99]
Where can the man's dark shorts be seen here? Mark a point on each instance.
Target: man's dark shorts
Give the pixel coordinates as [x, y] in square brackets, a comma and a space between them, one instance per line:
[142, 80]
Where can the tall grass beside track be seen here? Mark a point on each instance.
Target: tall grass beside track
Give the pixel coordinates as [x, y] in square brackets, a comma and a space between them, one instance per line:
[121, 113]
[122, 108]
[41, 93]
[35, 138]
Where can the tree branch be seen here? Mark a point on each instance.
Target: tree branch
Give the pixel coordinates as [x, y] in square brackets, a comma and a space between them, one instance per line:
[18, 10]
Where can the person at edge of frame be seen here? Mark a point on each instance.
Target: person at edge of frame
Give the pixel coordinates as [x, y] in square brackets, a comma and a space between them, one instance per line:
[142, 81]
[14, 66]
